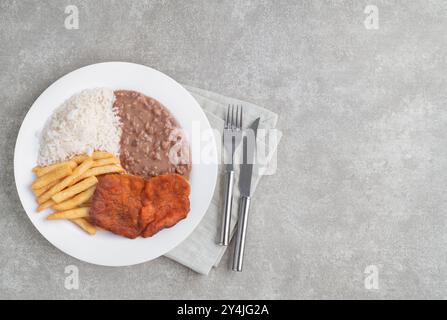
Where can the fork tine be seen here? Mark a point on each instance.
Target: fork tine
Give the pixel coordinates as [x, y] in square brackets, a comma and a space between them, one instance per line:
[227, 119]
[232, 117]
[237, 117]
[240, 119]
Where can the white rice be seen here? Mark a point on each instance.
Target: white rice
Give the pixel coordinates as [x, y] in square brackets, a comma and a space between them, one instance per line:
[82, 124]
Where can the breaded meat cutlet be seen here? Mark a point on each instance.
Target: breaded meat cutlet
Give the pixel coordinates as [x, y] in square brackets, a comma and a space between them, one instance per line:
[116, 204]
[166, 201]
[131, 206]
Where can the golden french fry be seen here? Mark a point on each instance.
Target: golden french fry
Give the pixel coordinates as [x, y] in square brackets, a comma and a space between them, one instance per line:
[80, 158]
[85, 225]
[100, 170]
[45, 205]
[106, 161]
[75, 201]
[69, 214]
[52, 176]
[87, 203]
[74, 189]
[101, 155]
[40, 171]
[41, 191]
[97, 155]
[83, 167]
[68, 181]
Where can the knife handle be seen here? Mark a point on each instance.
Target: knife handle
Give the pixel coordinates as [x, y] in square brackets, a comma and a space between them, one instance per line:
[244, 206]
[226, 217]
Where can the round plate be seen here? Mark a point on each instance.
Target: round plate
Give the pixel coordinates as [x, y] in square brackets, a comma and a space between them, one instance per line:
[106, 248]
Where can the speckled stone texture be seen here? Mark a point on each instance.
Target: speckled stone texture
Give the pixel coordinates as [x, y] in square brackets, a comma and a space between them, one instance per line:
[362, 165]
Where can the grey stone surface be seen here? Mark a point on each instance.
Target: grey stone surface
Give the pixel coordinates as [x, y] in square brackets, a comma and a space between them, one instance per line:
[362, 164]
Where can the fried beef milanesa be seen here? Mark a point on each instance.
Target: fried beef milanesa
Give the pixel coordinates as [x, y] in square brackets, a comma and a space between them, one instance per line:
[165, 202]
[116, 204]
[131, 206]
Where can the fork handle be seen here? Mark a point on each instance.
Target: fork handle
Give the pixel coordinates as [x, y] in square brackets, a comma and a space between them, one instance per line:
[238, 257]
[226, 217]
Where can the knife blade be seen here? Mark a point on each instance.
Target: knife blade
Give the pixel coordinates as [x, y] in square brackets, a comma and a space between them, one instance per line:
[249, 154]
[245, 188]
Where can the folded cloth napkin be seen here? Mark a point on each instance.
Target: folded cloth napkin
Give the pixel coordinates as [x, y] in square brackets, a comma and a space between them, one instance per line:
[201, 251]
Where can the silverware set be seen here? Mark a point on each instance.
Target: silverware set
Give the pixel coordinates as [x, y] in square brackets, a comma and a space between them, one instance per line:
[233, 135]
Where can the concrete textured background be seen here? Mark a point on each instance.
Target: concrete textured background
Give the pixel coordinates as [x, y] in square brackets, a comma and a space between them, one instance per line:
[362, 165]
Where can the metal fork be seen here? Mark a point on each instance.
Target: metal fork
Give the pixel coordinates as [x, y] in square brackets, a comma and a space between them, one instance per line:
[232, 136]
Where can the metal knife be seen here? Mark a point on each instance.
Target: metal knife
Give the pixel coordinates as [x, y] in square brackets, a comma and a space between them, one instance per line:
[245, 188]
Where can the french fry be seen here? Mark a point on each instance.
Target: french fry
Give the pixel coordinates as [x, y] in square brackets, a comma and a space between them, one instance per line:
[85, 225]
[97, 155]
[45, 205]
[74, 189]
[100, 170]
[106, 161]
[80, 158]
[88, 203]
[70, 185]
[69, 214]
[52, 176]
[75, 201]
[68, 181]
[41, 191]
[83, 167]
[40, 171]
[101, 155]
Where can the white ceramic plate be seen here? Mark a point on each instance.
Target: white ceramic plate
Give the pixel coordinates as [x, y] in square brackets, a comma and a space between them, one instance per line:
[106, 248]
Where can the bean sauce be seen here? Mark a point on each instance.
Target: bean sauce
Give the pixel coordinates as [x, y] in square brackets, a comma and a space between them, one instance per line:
[152, 142]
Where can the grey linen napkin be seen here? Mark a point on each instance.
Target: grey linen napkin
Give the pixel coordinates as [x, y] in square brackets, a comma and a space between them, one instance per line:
[200, 251]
